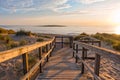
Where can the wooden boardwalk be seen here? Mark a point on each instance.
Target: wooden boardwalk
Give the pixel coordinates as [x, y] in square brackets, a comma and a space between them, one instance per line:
[61, 66]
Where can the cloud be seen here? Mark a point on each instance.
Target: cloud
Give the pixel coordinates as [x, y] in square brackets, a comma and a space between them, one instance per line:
[89, 1]
[29, 5]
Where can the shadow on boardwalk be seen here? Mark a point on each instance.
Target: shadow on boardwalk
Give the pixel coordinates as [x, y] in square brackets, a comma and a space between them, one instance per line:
[61, 66]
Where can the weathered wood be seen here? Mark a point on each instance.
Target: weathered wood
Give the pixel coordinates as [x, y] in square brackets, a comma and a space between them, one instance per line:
[73, 49]
[35, 66]
[47, 59]
[76, 58]
[83, 57]
[9, 54]
[85, 52]
[61, 67]
[25, 63]
[92, 42]
[97, 64]
[90, 58]
[62, 36]
[113, 55]
[40, 57]
[62, 42]
[90, 69]
[71, 41]
[54, 42]
[50, 48]
[100, 44]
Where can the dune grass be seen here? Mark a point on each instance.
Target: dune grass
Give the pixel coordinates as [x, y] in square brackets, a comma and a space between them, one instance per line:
[110, 39]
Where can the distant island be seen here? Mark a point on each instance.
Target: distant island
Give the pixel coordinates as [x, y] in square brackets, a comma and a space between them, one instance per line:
[52, 26]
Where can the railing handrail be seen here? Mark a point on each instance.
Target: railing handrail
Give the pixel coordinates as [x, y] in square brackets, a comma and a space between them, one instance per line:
[36, 65]
[12, 53]
[99, 51]
[113, 55]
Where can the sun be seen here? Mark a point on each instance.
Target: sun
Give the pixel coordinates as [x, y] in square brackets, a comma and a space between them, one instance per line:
[116, 17]
[117, 30]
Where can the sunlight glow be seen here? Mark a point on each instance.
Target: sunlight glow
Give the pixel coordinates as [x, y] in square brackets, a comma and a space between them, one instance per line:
[117, 30]
[116, 17]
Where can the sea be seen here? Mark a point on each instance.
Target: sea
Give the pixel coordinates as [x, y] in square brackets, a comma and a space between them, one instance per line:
[67, 30]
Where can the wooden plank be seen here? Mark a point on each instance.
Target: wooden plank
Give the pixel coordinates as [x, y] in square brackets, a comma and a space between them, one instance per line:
[9, 54]
[113, 55]
[90, 41]
[61, 67]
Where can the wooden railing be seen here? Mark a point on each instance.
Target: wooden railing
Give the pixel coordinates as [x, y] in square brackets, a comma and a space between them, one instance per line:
[62, 42]
[99, 51]
[24, 51]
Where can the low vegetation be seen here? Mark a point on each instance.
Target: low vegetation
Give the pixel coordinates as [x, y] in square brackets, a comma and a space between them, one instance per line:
[110, 39]
[23, 33]
[40, 39]
[80, 36]
[23, 42]
[32, 60]
[5, 31]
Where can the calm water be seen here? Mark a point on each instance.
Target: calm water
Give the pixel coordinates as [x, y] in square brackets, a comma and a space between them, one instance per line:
[71, 30]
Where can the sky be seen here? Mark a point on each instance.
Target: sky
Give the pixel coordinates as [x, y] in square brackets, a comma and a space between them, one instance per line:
[62, 12]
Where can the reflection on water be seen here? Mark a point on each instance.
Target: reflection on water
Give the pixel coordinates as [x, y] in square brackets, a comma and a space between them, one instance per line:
[63, 30]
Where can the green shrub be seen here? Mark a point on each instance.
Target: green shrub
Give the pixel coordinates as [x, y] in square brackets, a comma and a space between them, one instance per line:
[8, 39]
[80, 36]
[8, 46]
[3, 30]
[31, 60]
[12, 45]
[2, 37]
[111, 39]
[23, 42]
[116, 46]
[23, 33]
[11, 31]
[46, 36]
[40, 40]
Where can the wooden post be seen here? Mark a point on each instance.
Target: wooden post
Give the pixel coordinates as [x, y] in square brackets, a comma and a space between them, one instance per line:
[54, 42]
[40, 57]
[25, 63]
[47, 52]
[83, 57]
[71, 42]
[62, 41]
[92, 42]
[99, 43]
[73, 49]
[76, 59]
[85, 53]
[97, 64]
[50, 48]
